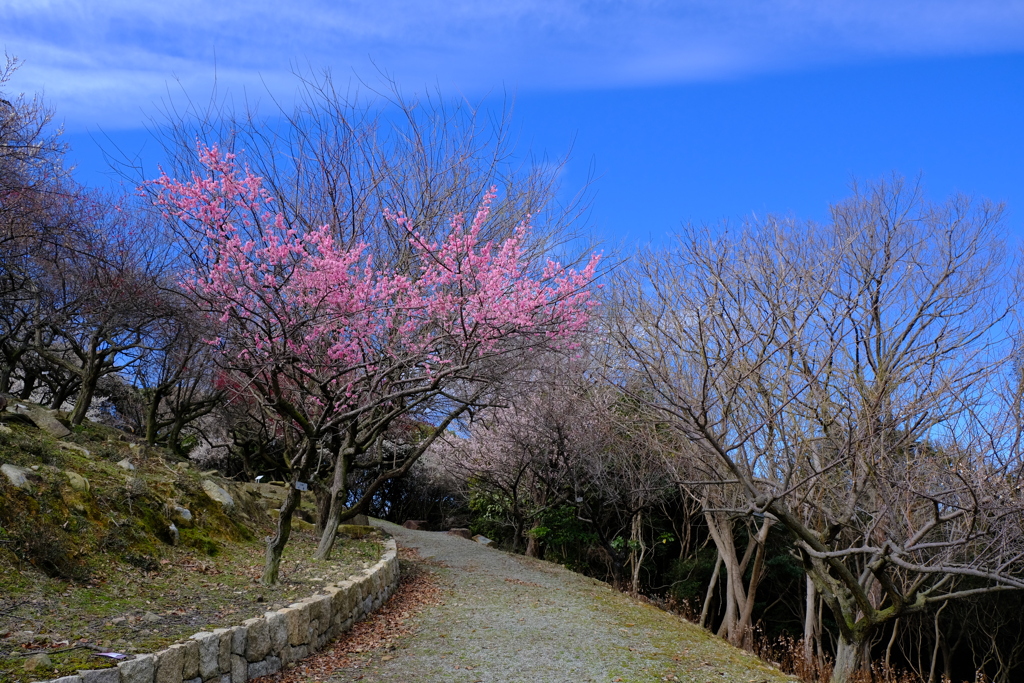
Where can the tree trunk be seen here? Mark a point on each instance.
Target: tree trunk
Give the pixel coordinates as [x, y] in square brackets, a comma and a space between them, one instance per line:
[10, 362]
[711, 590]
[727, 629]
[339, 495]
[540, 501]
[85, 395]
[532, 544]
[745, 626]
[938, 645]
[848, 660]
[63, 392]
[636, 558]
[517, 531]
[739, 599]
[152, 415]
[28, 385]
[887, 664]
[174, 438]
[322, 494]
[275, 545]
[810, 622]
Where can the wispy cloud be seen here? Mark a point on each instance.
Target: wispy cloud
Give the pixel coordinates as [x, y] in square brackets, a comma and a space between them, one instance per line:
[107, 62]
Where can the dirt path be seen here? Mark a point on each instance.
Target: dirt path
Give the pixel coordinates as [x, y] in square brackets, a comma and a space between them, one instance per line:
[507, 618]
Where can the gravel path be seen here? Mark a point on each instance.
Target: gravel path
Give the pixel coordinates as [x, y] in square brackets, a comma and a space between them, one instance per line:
[508, 618]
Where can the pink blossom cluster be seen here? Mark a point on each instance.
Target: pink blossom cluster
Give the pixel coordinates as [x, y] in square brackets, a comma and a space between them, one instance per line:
[301, 312]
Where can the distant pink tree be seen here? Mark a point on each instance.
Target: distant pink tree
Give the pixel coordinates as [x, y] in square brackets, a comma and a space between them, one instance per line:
[337, 345]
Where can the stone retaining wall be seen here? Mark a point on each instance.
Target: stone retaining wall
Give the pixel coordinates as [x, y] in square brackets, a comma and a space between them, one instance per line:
[263, 645]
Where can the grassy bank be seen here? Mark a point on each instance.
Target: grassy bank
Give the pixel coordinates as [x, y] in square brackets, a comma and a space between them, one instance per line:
[90, 562]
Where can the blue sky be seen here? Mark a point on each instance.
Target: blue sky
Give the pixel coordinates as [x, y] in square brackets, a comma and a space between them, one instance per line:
[683, 111]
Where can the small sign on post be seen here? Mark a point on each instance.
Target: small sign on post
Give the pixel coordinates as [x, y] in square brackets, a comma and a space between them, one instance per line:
[301, 486]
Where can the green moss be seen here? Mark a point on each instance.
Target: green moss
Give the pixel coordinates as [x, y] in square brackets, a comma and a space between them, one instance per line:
[64, 662]
[72, 561]
[199, 540]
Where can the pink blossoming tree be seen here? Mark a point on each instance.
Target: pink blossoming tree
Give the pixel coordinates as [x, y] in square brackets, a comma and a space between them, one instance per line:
[338, 346]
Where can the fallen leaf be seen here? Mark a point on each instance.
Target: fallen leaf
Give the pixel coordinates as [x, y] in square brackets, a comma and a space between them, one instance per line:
[417, 590]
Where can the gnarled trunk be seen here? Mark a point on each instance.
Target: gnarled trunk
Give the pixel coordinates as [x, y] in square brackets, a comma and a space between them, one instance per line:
[86, 392]
[850, 657]
[276, 544]
[339, 494]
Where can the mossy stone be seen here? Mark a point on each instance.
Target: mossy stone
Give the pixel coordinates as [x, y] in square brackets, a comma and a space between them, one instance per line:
[355, 530]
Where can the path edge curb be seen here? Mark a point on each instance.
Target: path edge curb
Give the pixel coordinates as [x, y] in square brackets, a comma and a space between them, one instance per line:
[263, 645]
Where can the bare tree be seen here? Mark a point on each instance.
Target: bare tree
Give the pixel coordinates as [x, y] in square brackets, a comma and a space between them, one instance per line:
[842, 379]
[40, 213]
[345, 153]
[563, 440]
[176, 375]
[100, 299]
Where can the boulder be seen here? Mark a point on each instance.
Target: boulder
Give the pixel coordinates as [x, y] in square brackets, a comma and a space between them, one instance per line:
[41, 417]
[297, 618]
[74, 678]
[239, 635]
[136, 486]
[37, 661]
[68, 446]
[218, 494]
[355, 530]
[460, 532]
[181, 516]
[360, 519]
[226, 635]
[483, 540]
[18, 476]
[415, 524]
[77, 481]
[126, 464]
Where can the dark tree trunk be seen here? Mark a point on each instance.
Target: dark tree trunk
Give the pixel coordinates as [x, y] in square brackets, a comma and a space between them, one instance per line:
[338, 498]
[275, 546]
[85, 395]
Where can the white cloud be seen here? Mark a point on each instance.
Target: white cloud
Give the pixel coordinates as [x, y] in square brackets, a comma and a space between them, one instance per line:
[106, 61]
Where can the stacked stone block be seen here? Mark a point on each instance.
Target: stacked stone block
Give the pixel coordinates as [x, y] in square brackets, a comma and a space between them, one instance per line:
[260, 646]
